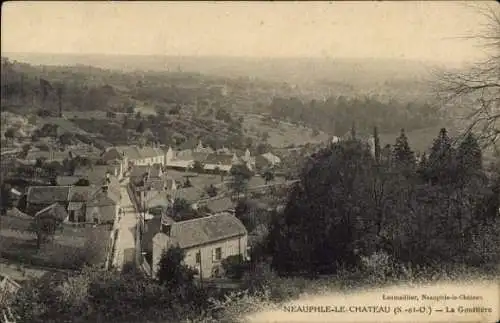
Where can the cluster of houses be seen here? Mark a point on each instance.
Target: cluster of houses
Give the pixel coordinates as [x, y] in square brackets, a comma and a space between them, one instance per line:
[91, 194]
[208, 159]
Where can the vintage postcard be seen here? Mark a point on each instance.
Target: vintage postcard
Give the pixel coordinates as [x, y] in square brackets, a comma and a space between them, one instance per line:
[224, 161]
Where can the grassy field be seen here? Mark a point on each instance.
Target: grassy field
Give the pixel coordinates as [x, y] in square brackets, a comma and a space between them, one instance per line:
[282, 134]
[71, 247]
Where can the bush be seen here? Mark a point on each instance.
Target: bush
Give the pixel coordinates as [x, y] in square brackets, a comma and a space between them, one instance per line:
[235, 266]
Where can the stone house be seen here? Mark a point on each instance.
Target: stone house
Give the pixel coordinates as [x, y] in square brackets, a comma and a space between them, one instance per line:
[222, 162]
[128, 156]
[206, 242]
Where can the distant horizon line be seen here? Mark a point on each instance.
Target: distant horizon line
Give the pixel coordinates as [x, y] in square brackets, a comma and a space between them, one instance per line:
[5, 53]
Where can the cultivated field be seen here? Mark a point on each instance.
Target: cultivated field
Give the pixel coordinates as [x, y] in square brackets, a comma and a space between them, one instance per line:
[71, 246]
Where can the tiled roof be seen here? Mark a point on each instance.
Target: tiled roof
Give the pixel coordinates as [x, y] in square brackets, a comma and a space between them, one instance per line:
[139, 170]
[55, 209]
[131, 152]
[201, 231]
[34, 155]
[47, 194]
[96, 174]
[66, 180]
[104, 198]
[200, 156]
[75, 206]
[186, 154]
[223, 159]
[220, 205]
[149, 152]
[190, 194]
[82, 193]
[160, 199]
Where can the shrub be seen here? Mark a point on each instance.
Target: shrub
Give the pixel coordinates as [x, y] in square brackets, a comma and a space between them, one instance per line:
[235, 266]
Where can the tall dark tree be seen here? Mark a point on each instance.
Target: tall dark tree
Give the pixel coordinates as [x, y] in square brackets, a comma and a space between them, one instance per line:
[376, 143]
[423, 168]
[469, 156]
[327, 217]
[60, 92]
[403, 155]
[353, 130]
[140, 127]
[441, 159]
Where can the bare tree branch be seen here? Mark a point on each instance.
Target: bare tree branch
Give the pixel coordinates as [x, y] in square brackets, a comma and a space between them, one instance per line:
[474, 95]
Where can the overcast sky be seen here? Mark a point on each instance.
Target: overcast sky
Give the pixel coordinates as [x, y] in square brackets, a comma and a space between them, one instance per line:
[430, 30]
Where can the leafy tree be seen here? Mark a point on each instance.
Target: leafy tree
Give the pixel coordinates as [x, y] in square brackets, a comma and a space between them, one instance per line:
[10, 134]
[172, 273]
[175, 110]
[160, 112]
[66, 138]
[264, 136]
[218, 171]
[235, 266]
[263, 148]
[45, 226]
[82, 182]
[25, 150]
[268, 175]
[198, 167]
[138, 115]
[6, 201]
[240, 175]
[180, 205]
[125, 122]
[187, 183]
[211, 190]
[43, 113]
[131, 110]
[97, 295]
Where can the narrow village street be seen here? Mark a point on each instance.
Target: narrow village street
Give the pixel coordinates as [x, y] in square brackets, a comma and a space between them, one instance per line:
[125, 242]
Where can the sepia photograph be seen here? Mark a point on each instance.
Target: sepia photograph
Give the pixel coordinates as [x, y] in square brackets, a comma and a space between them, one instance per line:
[253, 161]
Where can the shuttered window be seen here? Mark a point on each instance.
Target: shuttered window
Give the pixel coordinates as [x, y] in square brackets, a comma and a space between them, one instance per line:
[218, 254]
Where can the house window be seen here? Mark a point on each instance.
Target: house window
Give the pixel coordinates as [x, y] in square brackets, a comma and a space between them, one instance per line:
[198, 257]
[217, 254]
